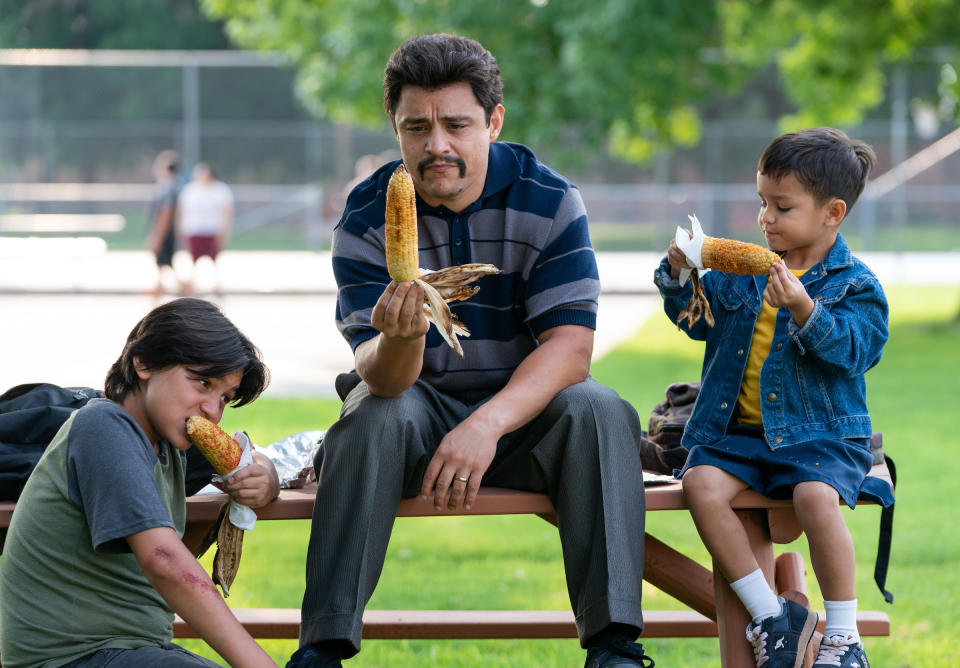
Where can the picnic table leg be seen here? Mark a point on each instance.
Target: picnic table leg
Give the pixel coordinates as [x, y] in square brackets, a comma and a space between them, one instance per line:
[679, 576]
[732, 617]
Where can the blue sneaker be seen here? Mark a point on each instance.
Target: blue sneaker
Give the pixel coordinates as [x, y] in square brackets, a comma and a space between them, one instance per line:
[844, 651]
[781, 641]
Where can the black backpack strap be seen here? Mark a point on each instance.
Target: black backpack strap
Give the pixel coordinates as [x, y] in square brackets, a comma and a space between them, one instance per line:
[886, 536]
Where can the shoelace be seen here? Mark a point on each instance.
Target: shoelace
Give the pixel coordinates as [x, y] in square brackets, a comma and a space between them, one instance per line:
[633, 650]
[759, 642]
[833, 648]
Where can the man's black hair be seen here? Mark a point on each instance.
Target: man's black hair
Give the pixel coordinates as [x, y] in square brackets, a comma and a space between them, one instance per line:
[433, 61]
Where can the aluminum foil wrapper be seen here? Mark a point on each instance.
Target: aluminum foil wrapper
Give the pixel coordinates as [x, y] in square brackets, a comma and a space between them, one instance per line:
[293, 457]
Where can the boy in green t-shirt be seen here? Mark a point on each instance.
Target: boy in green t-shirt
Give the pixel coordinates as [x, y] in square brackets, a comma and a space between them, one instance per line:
[93, 566]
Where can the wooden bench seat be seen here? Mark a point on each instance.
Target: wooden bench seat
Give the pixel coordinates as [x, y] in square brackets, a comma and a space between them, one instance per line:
[486, 624]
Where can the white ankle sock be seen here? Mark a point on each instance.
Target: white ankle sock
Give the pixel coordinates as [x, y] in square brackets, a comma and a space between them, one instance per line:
[757, 596]
[841, 618]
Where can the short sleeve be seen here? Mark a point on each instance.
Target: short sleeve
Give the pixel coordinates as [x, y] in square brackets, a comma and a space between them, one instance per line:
[111, 477]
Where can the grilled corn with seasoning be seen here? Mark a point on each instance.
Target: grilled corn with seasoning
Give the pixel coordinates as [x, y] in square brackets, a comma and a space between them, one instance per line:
[220, 449]
[402, 255]
[736, 257]
[223, 452]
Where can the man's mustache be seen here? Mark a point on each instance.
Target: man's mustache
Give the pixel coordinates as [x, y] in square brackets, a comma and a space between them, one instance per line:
[453, 160]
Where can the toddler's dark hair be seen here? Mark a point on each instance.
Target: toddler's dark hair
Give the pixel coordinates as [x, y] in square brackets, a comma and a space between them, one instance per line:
[196, 334]
[824, 160]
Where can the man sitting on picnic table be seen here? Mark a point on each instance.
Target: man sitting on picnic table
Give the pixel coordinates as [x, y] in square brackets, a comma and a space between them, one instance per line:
[518, 410]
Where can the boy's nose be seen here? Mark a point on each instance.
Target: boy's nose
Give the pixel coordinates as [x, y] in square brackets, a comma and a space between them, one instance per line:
[212, 409]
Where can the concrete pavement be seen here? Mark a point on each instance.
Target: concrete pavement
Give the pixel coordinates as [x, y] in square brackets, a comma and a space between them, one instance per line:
[66, 307]
[66, 311]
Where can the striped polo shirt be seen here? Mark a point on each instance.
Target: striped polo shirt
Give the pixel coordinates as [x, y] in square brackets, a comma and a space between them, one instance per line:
[530, 222]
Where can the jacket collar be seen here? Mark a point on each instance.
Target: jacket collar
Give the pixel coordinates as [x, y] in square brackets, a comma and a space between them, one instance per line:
[839, 256]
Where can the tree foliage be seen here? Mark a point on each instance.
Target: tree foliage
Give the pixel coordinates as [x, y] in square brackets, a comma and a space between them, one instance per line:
[108, 24]
[627, 74]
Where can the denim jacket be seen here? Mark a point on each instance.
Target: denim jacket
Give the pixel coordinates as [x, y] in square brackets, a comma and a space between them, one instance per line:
[811, 383]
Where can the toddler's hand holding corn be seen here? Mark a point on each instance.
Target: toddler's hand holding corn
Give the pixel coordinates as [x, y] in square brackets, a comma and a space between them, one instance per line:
[729, 255]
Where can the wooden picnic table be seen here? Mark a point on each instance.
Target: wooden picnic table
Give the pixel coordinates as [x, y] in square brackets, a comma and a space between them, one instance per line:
[714, 611]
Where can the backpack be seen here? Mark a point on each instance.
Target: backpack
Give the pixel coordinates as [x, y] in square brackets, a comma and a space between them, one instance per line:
[30, 416]
[660, 448]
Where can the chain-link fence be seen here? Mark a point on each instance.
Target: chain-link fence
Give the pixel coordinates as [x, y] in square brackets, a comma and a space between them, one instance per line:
[79, 131]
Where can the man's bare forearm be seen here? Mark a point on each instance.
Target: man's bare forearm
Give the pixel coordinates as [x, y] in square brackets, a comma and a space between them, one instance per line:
[389, 366]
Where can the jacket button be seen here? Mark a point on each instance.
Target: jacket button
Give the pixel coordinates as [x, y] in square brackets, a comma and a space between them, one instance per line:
[779, 346]
[772, 397]
[778, 439]
[723, 405]
[740, 352]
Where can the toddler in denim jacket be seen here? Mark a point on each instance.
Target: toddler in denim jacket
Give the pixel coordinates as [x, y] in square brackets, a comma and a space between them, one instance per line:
[782, 407]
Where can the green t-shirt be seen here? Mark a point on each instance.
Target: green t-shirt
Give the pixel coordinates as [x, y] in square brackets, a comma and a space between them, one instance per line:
[69, 585]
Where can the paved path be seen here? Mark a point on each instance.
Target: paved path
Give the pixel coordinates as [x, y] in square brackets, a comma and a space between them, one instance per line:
[66, 308]
[65, 314]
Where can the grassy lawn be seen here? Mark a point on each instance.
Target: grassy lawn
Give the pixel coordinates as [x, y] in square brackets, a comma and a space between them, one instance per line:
[467, 563]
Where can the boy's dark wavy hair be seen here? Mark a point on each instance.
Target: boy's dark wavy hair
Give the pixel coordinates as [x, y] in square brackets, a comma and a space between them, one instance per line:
[433, 61]
[196, 334]
[824, 160]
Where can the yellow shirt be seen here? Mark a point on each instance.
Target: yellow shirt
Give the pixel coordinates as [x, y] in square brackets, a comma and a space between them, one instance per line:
[748, 403]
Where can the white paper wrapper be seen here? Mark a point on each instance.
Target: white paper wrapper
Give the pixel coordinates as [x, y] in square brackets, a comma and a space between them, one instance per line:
[241, 516]
[691, 247]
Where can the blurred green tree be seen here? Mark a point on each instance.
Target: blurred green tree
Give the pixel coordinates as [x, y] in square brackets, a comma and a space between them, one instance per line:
[108, 24]
[629, 75]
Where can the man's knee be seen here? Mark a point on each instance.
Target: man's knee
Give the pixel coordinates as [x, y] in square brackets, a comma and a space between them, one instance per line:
[587, 399]
[371, 424]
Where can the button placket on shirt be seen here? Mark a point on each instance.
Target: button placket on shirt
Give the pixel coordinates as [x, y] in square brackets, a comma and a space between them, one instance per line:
[458, 250]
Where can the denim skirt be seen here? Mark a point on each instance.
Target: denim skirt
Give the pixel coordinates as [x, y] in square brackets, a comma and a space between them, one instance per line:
[841, 463]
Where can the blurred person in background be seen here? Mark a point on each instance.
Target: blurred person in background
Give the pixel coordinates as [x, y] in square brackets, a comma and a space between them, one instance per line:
[162, 237]
[204, 219]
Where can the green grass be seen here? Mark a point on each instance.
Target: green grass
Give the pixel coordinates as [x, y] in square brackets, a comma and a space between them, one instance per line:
[514, 562]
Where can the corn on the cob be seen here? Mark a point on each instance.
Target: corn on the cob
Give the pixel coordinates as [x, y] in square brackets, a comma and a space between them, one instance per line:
[736, 257]
[439, 287]
[220, 449]
[401, 227]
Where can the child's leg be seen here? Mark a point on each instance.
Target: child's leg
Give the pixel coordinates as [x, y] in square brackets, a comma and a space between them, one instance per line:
[708, 492]
[817, 506]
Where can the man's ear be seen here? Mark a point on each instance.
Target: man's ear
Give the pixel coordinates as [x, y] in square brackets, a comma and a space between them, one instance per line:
[836, 211]
[496, 122]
